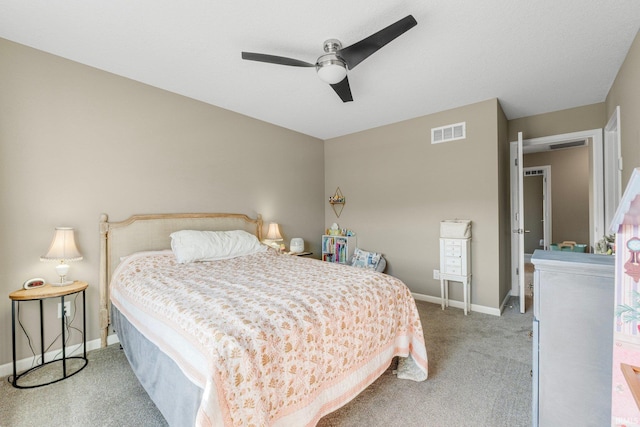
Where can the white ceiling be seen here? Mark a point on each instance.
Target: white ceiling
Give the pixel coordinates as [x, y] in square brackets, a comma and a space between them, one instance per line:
[534, 56]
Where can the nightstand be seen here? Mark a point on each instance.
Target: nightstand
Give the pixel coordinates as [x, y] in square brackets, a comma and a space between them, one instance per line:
[300, 253]
[40, 294]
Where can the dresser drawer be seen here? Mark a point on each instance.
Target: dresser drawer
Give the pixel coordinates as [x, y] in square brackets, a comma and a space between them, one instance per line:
[453, 261]
[453, 251]
[452, 243]
[452, 269]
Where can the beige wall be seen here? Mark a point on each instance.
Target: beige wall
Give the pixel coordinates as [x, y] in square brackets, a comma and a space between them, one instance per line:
[625, 92]
[558, 122]
[504, 186]
[569, 191]
[76, 142]
[398, 187]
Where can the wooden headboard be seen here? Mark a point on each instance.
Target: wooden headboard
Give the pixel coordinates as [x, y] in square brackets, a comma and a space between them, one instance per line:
[151, 233]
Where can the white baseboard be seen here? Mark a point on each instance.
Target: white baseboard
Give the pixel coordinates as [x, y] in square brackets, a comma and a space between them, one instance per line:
[459, 304]
[71, 350]
[505, 301]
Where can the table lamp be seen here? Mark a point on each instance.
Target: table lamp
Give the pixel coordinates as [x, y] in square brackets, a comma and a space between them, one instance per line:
[63, 248]
[273, 236]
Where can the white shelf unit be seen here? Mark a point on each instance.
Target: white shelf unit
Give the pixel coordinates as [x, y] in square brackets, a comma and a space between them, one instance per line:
[338, 248]
[455, 265]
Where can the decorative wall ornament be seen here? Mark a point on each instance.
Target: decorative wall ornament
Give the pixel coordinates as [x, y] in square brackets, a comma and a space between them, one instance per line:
[337, 202]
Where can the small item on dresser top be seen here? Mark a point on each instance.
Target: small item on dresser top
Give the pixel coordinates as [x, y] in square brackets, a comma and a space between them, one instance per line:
[296, 245]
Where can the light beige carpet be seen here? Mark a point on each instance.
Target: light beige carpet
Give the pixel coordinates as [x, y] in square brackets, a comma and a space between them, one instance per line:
[479, 375]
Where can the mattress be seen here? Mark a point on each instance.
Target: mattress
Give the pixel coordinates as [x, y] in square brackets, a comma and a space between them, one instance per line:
[268, 339]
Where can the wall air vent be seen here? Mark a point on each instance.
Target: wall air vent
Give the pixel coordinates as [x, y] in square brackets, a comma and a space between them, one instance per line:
[571, 144]
[449, 133]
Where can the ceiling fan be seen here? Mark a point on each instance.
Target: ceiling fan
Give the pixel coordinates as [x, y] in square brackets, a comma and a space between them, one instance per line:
[332, 66]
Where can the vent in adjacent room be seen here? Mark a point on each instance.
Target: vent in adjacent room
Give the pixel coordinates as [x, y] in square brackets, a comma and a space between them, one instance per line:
[534, 172]
[449, 133]
[571, 144]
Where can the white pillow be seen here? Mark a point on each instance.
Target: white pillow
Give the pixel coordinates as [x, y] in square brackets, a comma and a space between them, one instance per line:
[192, 245]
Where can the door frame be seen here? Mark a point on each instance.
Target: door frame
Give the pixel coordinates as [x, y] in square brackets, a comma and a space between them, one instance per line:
[517, 220]
[596, 206]
[612, 167]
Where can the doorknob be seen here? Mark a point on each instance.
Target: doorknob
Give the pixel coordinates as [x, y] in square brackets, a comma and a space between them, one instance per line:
[527, 231]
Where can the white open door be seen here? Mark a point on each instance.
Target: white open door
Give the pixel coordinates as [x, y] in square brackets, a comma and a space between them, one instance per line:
[517, 222]
[612, 168]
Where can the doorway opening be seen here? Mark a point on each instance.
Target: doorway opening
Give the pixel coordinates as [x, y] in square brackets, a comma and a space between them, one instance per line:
[593, 138]
[537, 209]
[612, 167]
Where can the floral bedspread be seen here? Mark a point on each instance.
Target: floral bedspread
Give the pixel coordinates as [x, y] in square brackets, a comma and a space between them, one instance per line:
[284, 340]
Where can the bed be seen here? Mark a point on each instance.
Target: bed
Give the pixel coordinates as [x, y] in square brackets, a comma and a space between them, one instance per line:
[255, 339]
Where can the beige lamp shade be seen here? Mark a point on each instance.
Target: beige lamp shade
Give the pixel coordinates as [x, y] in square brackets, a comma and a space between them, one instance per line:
[63, 246]
[273, 233]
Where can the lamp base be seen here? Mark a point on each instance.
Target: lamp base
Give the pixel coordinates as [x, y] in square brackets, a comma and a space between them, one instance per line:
[275, 244]
[63, 283]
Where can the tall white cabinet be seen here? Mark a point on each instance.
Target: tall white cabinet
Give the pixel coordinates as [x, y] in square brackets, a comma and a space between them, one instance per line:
[455, 265]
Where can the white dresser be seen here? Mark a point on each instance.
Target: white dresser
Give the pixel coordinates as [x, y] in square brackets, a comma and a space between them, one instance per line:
[573, 305]
[455, 265]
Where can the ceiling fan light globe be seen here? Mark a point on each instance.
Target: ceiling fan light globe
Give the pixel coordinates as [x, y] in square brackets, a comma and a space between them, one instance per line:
[332, 72]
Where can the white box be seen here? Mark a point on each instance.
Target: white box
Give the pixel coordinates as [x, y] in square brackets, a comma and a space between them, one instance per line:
[455, 228]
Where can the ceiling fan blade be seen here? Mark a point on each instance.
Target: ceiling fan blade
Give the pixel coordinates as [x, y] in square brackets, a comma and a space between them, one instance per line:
[343, 90]
[358, 52]
[272, 59]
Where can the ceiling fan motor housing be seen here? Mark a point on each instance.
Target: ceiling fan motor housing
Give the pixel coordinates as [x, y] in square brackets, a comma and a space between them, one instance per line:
[332, 45]
[330, 67]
